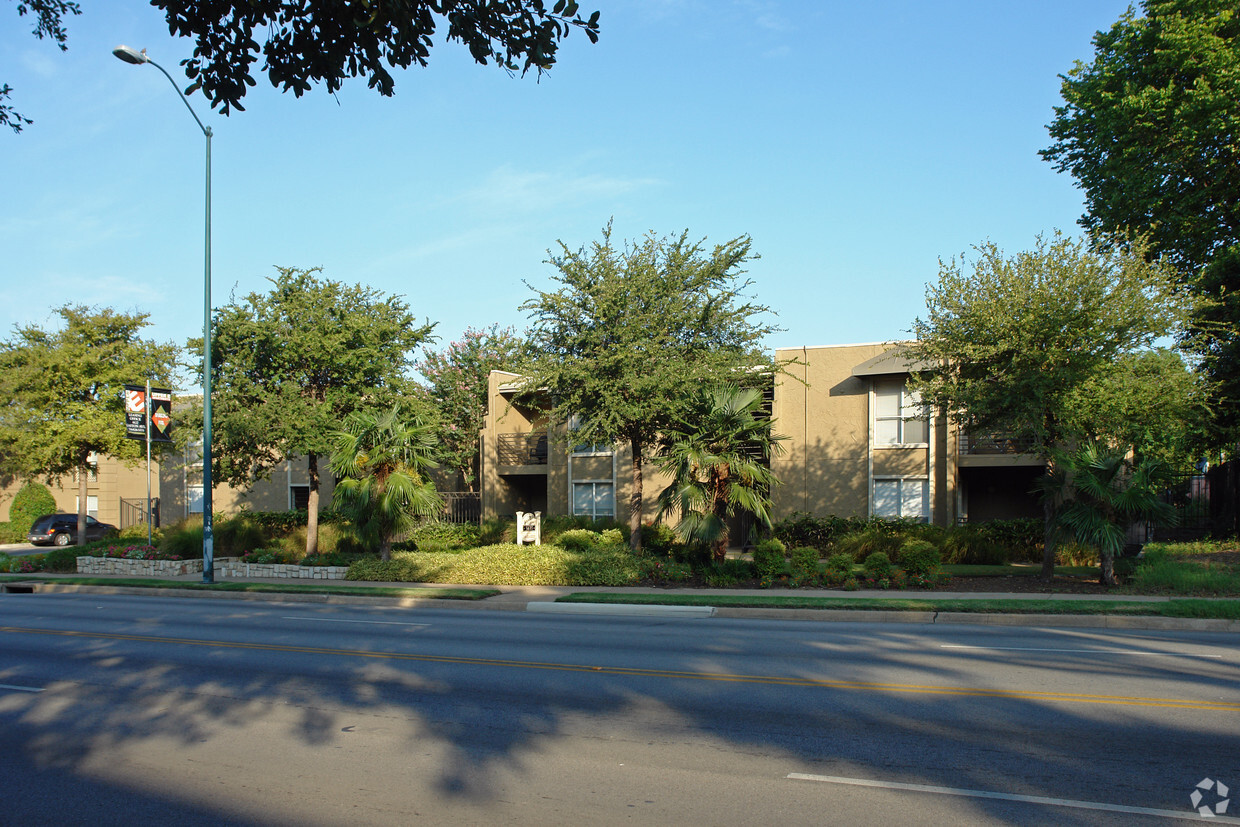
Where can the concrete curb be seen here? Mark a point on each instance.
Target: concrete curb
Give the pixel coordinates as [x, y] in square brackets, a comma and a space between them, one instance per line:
[622, 609]
[516, 602]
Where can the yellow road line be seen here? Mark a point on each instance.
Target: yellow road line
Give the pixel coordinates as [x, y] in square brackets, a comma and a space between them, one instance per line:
[769, 680]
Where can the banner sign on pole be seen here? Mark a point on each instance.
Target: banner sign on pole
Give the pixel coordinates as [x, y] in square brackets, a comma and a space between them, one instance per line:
[135, 413]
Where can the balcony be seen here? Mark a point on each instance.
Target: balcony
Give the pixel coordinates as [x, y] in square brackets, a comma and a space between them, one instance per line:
[996, 449]
[523, 449]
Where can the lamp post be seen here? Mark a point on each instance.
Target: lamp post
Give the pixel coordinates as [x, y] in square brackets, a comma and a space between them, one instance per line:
[208, 539]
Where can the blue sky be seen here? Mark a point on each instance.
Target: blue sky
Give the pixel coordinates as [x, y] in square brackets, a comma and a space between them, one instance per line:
[856, 143]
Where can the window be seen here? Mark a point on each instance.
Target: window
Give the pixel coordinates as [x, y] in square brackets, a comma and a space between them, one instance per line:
[900, 418]
[299, 497]
[909, 499]
[594, 499]
[92, 506]
[586, 448]
[193, 498]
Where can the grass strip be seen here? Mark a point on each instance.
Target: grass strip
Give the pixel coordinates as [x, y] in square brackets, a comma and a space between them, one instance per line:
[1220, 609]
[276, 588]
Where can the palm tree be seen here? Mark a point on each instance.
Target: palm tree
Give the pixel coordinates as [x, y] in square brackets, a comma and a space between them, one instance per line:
[381, 458]
[718, 460]
[1102, 494]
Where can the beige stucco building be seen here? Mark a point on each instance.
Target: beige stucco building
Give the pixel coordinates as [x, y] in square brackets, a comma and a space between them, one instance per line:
[858, 443]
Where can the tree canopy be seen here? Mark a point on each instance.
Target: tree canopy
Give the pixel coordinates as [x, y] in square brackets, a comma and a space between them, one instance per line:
[630, 331]
[301, 44]
[1151, 129]
[289, 365]
[458, 378]
[1012, 342]
[62, 392]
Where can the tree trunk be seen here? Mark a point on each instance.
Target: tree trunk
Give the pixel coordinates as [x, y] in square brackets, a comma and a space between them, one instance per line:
[635, 499]
[1048, 540]
[312, 505]
[1108, 568]
[385, 548]
[83, 472]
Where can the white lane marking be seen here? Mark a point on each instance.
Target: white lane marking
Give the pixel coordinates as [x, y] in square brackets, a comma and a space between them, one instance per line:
[1077, 651]
[20, 688]
[342, 620]
[1028, 799]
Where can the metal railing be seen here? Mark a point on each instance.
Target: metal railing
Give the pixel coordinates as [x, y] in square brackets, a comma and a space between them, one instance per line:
[461, 507]
[994, 444]
[523, 449]
[133, 512]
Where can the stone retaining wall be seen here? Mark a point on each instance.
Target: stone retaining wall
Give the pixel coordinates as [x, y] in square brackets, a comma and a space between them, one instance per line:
[224, 567]
[235, 568]
[137, 568]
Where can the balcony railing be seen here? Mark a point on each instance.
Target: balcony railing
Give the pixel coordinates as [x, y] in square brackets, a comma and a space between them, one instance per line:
[994, 444]
[523, 449]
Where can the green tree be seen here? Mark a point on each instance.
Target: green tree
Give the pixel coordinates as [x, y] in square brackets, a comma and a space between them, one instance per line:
[301, 44]
[62, 392]
[718, 459]
[458, 378]
[1150, 402]
[1099, 494]
[289, 365]
[1013, 340]
[382, 460]
[1150, 129]
[631, 330]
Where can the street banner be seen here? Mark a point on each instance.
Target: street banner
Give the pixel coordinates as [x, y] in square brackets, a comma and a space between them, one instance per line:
[161, 415]
[135, 413]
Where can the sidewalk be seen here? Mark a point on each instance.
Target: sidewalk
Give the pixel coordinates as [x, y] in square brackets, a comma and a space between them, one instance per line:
[538, 598]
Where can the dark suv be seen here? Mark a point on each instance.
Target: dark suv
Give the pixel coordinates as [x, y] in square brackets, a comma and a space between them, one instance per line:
[61, 529]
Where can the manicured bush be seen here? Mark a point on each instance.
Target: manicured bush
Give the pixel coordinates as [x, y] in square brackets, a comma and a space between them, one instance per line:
[802, 529]
[30, 503]
[918, 557]
[61, 559]
[330, 558]
[840, 564]
[878, 565]
[9, 533]
[768, 558]
[804, 562]
[724, 574]
[1023, 538]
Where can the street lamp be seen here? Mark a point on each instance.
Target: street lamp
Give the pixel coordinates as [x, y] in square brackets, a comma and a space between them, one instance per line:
[208, 539]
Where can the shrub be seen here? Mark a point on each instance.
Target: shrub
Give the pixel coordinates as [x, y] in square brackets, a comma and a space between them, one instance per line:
[137, 532]
[662, 570]
[1023, 538]
[239, 533]
[918, 557]
[29, 504]
[577, 539]
[659, 539]
[9, 533]
[802, 529]
[509, 564]
[878, 565]
[183, 538]
[330, 558]
[1071, 553]
[727, 573]
[971, 546]
[840, 564]
[61, 559]
[436, 535]
[804, 562]
[334, 538]
[497, 530]
[768, 558]
[272, 555]
[873, 539]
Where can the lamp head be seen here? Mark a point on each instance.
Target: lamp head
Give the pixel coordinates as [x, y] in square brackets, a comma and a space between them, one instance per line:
[131, 55]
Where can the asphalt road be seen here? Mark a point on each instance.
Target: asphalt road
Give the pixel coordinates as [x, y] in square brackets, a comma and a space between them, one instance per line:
[141, 710]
